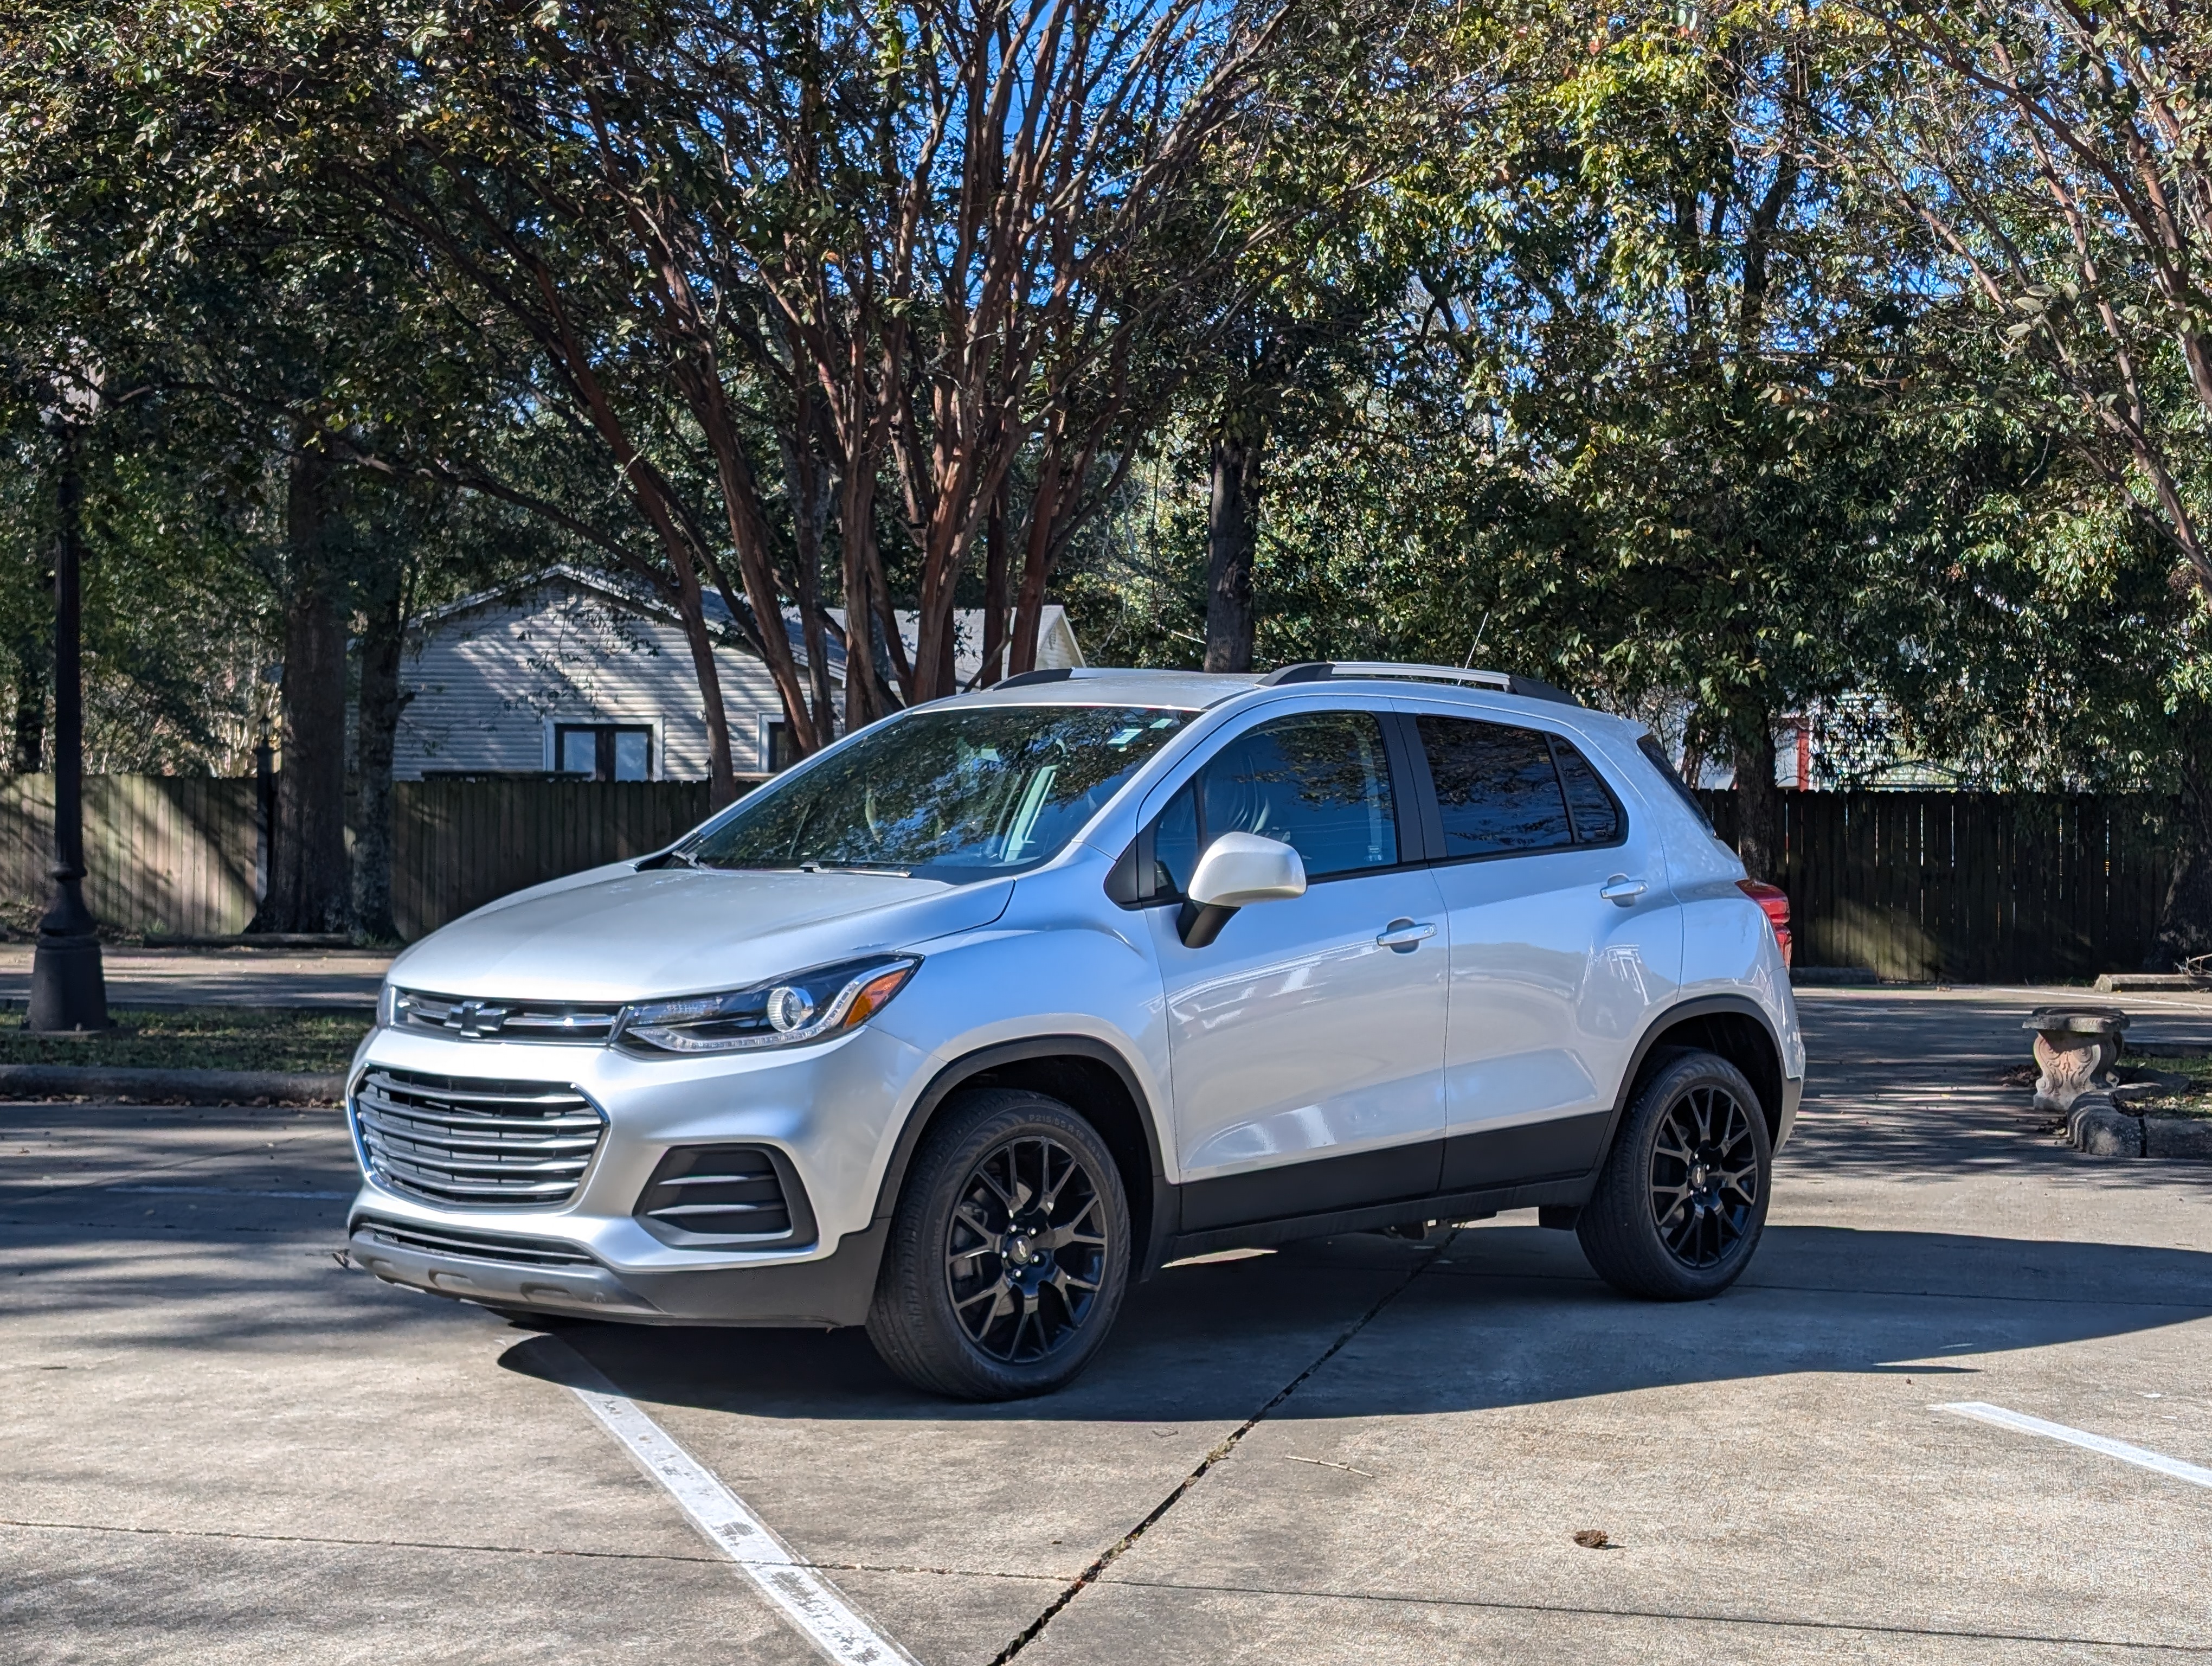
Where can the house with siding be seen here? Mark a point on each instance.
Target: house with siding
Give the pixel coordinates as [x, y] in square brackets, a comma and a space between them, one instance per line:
[569, 672]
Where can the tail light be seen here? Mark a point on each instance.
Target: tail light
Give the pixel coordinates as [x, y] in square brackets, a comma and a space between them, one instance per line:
[1774, 902]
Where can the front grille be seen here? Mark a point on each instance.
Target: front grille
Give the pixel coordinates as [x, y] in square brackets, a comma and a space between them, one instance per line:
[503, 1020]
[474, 1143]
[726, 1192]
[474, 1246]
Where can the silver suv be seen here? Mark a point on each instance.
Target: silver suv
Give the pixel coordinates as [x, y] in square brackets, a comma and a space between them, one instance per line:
[960, 1026]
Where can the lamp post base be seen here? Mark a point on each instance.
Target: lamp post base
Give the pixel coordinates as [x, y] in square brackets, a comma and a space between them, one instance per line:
[68, 990]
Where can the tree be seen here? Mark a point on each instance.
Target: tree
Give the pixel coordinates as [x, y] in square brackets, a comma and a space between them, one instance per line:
[2060, 155]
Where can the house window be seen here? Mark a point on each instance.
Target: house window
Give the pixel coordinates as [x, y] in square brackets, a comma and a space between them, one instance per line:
[603, 752]
[776, 752]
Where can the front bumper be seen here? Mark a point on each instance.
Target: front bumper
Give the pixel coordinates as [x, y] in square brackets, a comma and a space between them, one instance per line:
[544, 1276]
[831, 1109]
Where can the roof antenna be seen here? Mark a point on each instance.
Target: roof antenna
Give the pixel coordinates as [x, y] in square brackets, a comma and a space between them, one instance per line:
[1472, 647]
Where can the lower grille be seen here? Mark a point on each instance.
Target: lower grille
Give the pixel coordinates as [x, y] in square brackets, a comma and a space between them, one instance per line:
[726, 1192]
[474, 1246]
[476, 1144]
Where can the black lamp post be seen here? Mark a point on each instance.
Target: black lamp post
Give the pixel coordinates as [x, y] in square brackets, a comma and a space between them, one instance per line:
[68, 988]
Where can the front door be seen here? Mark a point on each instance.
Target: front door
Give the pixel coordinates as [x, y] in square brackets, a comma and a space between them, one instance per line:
[1307, 1041]
[1551, 979]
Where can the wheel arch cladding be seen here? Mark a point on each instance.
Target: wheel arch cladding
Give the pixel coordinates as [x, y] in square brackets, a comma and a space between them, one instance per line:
[1090, 1078]
[1736, 1035]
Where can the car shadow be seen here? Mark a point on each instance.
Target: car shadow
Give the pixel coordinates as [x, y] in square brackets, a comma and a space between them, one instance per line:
[1494, 1317]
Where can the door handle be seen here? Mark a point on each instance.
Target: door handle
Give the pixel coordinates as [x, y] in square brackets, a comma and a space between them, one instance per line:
[1622, 890]
[1405, 936]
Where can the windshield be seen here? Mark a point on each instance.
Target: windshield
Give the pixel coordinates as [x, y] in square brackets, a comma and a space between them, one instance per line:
[948, 794]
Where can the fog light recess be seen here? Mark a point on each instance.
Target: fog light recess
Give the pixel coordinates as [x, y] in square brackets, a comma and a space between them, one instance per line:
[726, 1197]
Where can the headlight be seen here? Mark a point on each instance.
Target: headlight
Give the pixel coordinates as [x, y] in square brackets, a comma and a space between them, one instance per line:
[387, 1011]
[803, 1007]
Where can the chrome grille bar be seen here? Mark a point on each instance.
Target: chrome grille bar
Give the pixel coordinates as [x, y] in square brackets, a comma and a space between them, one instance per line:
[513, 1020]
[478, 1144]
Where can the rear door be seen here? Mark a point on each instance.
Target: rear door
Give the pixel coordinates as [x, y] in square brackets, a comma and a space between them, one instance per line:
[1561, 943]
[1306, 1041]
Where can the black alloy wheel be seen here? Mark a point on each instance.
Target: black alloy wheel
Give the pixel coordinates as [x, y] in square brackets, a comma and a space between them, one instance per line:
[1009, 1251]
[1027, 1249]
[1681, 1201]
[1705, 1179]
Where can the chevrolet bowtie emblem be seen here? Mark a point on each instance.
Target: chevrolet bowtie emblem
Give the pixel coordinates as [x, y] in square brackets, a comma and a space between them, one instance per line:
[474, 1018]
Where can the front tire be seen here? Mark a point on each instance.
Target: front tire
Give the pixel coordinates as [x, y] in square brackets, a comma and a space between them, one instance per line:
[1681, 1201]
[1009, 1253]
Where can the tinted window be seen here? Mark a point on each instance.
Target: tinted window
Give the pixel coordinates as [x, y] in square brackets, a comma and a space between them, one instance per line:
[1174, 844]
[1496, 786]
[1597, 818]
[1651, 749]
[1320, 782]
[944, 791]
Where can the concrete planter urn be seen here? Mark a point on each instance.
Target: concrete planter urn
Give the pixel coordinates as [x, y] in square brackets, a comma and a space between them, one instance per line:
[2075, 1049]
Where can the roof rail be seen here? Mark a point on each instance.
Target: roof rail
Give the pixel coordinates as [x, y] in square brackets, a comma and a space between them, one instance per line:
[1322, 670]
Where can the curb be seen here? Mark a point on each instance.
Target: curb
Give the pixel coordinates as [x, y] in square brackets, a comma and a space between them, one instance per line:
[168, 1087]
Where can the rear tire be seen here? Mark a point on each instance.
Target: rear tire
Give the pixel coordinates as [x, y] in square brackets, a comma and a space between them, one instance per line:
[1009, 1252]
[1681, 1201]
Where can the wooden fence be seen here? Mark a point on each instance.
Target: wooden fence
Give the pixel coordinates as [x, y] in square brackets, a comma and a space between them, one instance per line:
[1965, 887]
[161, 852]
[458, 844]
[1972, 887]
[176, 854]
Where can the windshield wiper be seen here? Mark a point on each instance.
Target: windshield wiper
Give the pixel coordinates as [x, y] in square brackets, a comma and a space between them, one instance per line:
[665, 859]
[813, 867]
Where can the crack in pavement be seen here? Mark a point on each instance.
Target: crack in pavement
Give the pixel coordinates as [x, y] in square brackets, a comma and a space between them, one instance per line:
[1113, 1552]
[1875, 1627]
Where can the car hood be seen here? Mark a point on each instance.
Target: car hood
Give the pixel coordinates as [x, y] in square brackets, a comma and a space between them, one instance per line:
[615, 934]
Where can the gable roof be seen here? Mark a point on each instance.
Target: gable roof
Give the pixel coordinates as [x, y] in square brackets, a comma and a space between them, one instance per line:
[1056, 643]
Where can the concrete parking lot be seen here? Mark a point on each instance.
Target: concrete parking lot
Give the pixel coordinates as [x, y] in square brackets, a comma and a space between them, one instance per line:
[217, 1444]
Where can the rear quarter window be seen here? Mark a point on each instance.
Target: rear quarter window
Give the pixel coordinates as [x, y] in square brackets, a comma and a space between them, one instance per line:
[1657, 758]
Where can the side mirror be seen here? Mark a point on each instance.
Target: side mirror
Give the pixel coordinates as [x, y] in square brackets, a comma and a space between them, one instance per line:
[1238, 870]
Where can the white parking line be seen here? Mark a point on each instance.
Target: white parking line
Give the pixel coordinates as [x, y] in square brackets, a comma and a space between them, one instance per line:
[810, 1601]
[2110, 1448]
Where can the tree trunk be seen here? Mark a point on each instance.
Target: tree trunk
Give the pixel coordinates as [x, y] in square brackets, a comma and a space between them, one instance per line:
[307, 889]
[1758, 801]
[1052, 487]
[806, 483]
[1232, 532]
[995, 588]
[866, 696]
[26, 747]
[375, 728]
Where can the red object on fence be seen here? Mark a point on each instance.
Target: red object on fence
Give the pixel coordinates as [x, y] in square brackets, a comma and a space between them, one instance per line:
[1775, 902]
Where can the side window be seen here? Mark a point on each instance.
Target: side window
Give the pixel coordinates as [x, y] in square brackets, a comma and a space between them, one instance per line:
[1174, 844]
[1319, 781]
[1597, 816]
[1659, 761]
[1496, 786]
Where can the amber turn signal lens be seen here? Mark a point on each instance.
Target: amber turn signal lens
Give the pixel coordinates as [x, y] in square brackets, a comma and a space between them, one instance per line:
[875, 994]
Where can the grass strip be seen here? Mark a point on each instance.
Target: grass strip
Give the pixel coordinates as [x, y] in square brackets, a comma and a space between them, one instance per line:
[315, 1041]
